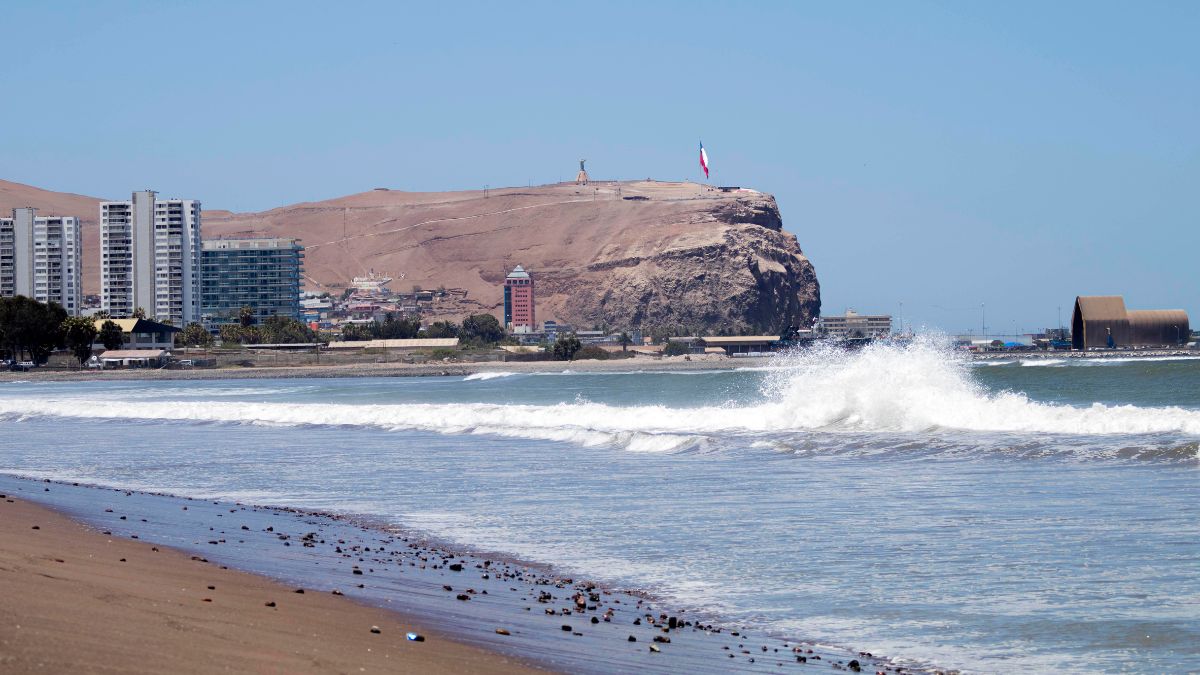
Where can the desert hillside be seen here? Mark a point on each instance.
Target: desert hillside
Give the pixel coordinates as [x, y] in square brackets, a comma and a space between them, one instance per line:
[639, 254]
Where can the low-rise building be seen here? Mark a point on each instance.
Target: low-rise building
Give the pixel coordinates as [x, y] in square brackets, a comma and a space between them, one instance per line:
[140, 334]
[852, 325]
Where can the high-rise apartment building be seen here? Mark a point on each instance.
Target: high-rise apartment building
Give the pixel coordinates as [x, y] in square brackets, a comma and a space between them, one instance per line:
[40, 258]
[260, 273]
[150, 258]
[518, 301]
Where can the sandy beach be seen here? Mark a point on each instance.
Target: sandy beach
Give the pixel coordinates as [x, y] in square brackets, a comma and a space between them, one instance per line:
[75, 600]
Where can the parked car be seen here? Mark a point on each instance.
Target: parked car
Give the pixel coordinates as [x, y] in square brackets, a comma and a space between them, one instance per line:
[22, 366]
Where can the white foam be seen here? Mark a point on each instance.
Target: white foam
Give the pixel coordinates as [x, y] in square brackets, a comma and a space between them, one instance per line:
[487, 376]
[881, 388]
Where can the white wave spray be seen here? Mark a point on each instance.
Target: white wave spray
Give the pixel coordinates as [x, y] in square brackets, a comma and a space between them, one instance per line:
[881, 388]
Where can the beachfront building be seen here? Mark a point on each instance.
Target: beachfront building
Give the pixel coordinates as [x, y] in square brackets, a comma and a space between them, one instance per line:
[261, 273]
[40, 258]
[150, 258]
[1102, 321]
[139, 334]
[518, 301]
[855, 325]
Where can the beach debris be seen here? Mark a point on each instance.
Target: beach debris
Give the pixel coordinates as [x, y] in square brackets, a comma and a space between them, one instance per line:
[447, 587]
[662, 638]
[415, 637]
[270, 603]
[854, 665]
[463, 596]
[501, 631]
[299, 590]
[375, 630]
[212, 588]
[122, 560]
[566, 628]
[655, 649]
[336, 592]
[36, 527]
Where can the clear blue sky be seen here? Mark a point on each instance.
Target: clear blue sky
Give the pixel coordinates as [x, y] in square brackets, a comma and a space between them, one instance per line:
[942, 155]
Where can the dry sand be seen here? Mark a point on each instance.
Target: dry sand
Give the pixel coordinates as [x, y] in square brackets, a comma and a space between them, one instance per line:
[73, 600]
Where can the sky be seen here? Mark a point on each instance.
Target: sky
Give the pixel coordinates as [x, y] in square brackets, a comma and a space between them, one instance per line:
[954, 162]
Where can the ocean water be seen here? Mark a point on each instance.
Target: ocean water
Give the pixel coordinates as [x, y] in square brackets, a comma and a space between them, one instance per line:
[997, 517]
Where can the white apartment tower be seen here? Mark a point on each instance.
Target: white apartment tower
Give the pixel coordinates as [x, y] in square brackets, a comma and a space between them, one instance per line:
[150, 258]
[40, 258]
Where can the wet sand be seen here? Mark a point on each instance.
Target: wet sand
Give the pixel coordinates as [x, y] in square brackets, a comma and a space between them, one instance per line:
[473, 604]
[75, 600]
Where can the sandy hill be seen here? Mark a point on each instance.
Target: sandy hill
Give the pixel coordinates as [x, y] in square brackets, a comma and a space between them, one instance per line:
[644, 253]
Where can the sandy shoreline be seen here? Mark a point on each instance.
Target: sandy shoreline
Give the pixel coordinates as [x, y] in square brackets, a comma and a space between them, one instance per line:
[378, 566]
[75, 600]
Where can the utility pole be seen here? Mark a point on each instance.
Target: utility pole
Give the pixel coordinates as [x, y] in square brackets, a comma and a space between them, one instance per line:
[983, 320]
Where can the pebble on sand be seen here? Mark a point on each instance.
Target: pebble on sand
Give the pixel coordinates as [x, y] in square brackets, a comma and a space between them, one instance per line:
[375, 629]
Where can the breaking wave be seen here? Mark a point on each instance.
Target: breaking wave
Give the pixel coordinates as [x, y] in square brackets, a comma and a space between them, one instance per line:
[882, 388]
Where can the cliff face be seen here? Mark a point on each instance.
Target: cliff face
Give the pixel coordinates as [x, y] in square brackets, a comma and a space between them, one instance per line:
[641, 254]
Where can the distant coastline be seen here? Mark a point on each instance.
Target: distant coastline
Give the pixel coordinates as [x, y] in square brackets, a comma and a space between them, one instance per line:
[466, 368]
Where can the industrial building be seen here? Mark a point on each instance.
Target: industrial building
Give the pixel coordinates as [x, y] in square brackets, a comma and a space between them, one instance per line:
[1102, 321]
[40, 258]
[518, 301]
[260, 273]
[150, 258]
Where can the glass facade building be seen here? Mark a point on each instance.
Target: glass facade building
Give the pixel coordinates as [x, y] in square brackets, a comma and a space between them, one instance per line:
[260, 273]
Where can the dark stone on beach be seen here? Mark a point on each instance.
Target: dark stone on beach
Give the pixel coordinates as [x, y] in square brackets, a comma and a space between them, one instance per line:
[672, 622]
[447, 587]
[637, 622]
[212, 588]
[245, 527]
[36, 527]
[123, 518]
[299, 590]
[375, 630]
[208, 600]
[357, 572]
[501, 631]
[854, 665]
[632, 638]
[595, 620]
[270, 604]
[566, 628]
[108, 532]
[455, 567]
[336, 592]
[661, 638]
[122, 560]
[463, 596]
[802, 659]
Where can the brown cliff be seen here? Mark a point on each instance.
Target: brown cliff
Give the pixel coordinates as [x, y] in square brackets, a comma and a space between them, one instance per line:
[634, 254]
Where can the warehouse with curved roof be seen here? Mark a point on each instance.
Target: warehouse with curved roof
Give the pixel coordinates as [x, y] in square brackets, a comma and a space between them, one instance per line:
[1103, 321]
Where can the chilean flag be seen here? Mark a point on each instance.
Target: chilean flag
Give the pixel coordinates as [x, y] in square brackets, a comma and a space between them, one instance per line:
[703, 159]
